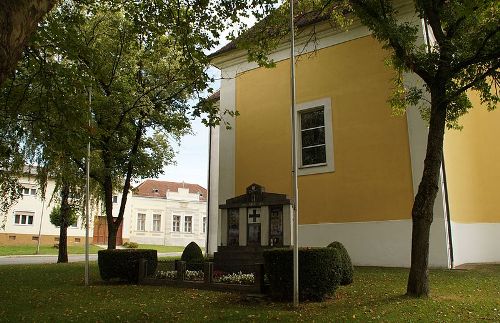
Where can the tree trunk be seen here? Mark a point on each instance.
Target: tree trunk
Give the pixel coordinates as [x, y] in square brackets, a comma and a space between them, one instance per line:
[62, 256]
[422, 212]
[112, 232]
[18, 20]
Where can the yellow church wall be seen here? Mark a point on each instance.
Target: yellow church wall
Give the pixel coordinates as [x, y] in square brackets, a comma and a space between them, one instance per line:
[372, 179]
[472, 159]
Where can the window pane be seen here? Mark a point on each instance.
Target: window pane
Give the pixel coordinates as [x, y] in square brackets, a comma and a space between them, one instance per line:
[23, 219]
[30, 219]
[313, 155]
[17, 219]
[313, 137]
[33, 191]
[312, 119]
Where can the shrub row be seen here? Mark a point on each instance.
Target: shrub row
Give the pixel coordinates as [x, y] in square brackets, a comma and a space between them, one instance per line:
[319, 272]
[124, 263]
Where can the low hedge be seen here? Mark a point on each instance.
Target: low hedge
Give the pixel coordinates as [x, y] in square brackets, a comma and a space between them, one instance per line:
[347, 271]
[124, 263]
[319, 272]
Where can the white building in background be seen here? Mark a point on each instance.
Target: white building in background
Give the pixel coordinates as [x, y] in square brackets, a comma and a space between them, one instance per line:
[31, 215]
[157, 212]
[168, 213]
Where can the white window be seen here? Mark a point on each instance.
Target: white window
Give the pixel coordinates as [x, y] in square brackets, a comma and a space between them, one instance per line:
[156, 222]
[204, 224]
[24, 191]
[188, 224]
[314, 137]
[141, 222]
[23, 218]
[176, 223]
[33, 191]
[115, 198]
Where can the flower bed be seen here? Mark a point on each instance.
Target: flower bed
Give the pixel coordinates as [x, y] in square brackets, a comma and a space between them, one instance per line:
[168, 274]
[235, 278]
[194, 275]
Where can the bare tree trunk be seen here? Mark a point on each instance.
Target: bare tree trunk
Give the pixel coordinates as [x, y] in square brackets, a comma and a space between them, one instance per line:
[18, 20]
[422, 212]
[62, 256]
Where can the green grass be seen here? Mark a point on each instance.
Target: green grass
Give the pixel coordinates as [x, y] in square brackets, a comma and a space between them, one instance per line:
[55, 292]
[44, 250]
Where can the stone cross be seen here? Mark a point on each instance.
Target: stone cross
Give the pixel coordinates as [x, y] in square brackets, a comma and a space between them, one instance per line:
[254, 216]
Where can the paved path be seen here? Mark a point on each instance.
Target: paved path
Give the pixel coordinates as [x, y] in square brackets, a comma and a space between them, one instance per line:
[50, 259]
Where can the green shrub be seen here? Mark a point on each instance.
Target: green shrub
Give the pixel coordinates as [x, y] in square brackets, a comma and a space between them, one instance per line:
[192, 253]
[347, 270]
[124, 263]
[319, 272]
[131, 245]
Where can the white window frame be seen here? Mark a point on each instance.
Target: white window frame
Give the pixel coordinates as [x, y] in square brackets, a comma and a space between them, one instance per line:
[142, 226]
[158, 227]
[174, 227]
[27, 215]
[328, 167]
[204, 224]
[190, 224]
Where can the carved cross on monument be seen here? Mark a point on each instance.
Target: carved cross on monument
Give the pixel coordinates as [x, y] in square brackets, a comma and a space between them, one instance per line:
[254, 216]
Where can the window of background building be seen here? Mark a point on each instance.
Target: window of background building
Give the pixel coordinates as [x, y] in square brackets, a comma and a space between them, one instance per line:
[188, 224]
[23, 218]
[176, 223]
[204, 224]
[141, 222]
[156, 222]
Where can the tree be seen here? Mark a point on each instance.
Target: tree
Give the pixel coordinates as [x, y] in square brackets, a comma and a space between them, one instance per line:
[463, 55]
[18, 20]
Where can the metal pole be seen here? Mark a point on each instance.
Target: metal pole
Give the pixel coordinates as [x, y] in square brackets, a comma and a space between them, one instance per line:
[87, 200]
[40, 228]
[295, 200]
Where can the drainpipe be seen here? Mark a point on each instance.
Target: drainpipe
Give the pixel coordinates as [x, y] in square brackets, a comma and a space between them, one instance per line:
[448, 217]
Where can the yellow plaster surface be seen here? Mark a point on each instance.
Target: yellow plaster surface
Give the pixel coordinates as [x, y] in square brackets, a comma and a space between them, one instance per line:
[372, 179]
[472, 159]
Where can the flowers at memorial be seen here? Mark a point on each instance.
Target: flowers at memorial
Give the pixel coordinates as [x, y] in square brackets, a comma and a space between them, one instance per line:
[236, 278]
[168, 274]
[194, 275]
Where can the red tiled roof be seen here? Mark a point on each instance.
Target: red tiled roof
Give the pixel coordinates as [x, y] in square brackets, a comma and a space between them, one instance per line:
[155, 188]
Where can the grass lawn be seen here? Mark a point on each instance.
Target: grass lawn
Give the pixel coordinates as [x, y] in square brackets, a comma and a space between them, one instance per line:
[56, 293]
[44, 250]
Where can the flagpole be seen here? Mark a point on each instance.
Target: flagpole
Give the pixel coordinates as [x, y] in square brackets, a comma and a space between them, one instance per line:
[87, 199]
[295, 200]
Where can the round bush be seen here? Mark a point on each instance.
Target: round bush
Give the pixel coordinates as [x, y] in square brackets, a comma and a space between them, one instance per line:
[124, 263]
[319, 272]
[192, 253]
[347, 271]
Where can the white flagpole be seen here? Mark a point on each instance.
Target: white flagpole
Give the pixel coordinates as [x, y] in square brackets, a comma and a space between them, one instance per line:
[295, 200]
[87, 200]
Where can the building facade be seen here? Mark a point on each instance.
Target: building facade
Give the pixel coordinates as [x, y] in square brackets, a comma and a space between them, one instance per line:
[359, 165]
[168, 213]
[28, 220]
[157, 212]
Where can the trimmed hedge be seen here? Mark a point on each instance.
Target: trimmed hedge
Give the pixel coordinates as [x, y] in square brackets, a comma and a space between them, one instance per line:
[124, 263]
[319, 272]
[347, 271]
[192, 253]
